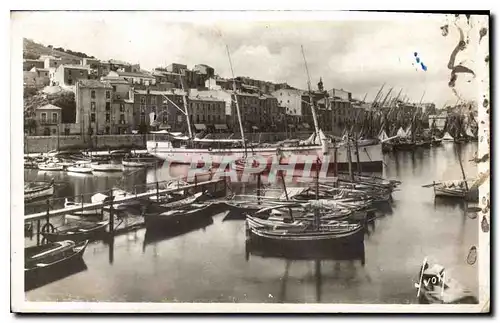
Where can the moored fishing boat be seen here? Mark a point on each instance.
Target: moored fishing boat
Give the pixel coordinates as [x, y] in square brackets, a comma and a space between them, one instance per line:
[436, 287]
[106, 167]
[82, 231]
[189, 212]
[79, 168]
[50, 166]
[33, 191]
[329, 232]
[49, 258]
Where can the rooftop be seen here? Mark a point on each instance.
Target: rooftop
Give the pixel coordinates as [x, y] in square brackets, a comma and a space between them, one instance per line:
[155, 92]
[135, 74]
[76, 67]
[94, 84]
[48, 107]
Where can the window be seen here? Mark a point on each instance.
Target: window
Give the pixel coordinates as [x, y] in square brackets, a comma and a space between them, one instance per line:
[69, 72]
[92, 94]
[208, 118]
[143, 99]
[198, 118]
[107, 117]
[92, 106]
[143, 108]
[122, 107]
[122, 117]
[108, 106]
[53, 131]
[81, 73]
[44, 117]
[153, 108]
[92, 117]
[54, 117]
[114, 88]
[70, 81]
[153, 100]
[107, 130]
[108, 94]
[143, 117]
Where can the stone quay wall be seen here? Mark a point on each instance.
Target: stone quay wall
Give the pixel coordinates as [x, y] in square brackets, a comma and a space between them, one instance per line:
[43, 144]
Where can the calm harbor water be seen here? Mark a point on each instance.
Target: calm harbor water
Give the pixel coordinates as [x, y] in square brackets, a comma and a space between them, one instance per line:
[212, 263]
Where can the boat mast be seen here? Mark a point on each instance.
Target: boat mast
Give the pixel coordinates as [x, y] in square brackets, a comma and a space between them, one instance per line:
[236, 102]
[186, 111]
[311, 102]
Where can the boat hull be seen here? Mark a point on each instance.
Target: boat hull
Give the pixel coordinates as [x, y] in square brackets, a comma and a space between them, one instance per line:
[76, 234]
[35, 194]
[106, 167]
[80, 170]
[56, 263]
[370, 156]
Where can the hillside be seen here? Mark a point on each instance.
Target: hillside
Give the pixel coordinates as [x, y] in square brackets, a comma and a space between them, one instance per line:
[30, 48]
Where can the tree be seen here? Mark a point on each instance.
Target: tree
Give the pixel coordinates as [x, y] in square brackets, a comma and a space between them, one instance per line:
[66, 101]
[28, 55]
[30, 126]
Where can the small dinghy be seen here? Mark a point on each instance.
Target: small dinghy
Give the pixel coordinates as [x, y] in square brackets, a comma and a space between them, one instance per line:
[50, 167]
[435, 287]
[49, 258]
[106, 167]
[83, 231]
[80, 168]
[33, 191]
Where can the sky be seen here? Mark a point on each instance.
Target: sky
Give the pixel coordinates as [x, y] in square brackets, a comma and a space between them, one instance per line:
[350, 51]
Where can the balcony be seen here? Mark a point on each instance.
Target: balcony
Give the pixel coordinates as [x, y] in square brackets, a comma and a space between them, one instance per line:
[48, 122]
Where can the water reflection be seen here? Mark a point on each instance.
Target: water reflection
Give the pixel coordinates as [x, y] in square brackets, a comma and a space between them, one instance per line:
[322, 259]
[154, 236]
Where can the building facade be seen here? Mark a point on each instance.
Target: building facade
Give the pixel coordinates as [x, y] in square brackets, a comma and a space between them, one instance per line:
[153, 111]
[28, 64]
[69, 75]
[93, 107]
[134, 78]
[48, 118]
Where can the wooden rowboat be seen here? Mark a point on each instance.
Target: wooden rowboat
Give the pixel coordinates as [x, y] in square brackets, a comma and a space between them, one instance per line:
[38, 191]
[47, 259]
[85, 231]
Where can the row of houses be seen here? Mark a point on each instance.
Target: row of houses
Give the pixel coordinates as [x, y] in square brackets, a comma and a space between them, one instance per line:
[115, 97]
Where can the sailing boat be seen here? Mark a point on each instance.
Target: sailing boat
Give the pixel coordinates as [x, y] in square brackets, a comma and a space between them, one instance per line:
[447, 137]
[300, 155]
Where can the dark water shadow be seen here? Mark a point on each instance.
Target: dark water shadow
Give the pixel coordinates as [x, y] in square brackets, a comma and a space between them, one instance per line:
[55, 274]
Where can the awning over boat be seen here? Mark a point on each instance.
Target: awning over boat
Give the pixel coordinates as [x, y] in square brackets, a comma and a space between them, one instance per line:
[200, 126]
[255, 128]
[306, 125]
[221, 127]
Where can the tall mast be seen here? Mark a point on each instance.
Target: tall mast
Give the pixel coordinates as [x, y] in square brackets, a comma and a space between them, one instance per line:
[386, 96]
[378, 93]
[186, 110]
[236, 102]
[311, 102]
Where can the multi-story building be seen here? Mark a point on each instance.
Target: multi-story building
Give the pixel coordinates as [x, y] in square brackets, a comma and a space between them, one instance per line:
[207, 113]
[56, 61]
[93, 106]
[37, 77]
[205, 70]
[176, 68]
[28, 64]
[122, 107]
[158, 110]
[134, 78]
[48, 118]
[68, 75]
